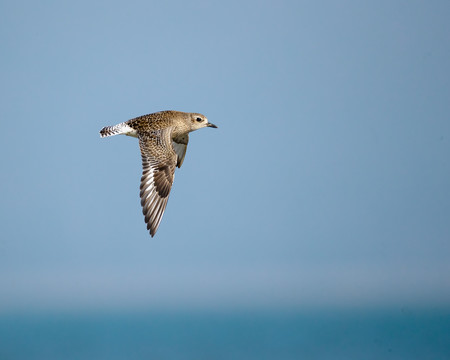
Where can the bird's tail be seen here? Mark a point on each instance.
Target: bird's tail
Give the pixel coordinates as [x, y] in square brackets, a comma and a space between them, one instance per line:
[118, 129]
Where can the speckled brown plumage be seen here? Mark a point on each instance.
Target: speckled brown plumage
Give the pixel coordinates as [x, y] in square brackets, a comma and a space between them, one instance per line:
[163, 139]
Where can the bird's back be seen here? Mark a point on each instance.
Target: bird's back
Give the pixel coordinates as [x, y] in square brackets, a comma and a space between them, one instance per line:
[156, 121]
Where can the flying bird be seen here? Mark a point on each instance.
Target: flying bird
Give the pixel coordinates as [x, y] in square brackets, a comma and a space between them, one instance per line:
[163, 139]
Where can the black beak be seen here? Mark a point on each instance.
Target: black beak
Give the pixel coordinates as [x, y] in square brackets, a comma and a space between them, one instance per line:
[212, 125]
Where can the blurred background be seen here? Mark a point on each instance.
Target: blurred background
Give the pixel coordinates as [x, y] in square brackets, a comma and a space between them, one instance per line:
[326, 185]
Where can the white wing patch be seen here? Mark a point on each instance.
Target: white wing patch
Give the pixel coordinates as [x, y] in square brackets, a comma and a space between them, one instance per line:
[180, 150]
[179, 144]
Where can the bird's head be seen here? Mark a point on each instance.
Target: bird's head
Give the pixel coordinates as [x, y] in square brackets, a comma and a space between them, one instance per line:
[199, 121]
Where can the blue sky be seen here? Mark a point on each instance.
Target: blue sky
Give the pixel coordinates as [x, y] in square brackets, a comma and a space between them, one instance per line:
[327, 182]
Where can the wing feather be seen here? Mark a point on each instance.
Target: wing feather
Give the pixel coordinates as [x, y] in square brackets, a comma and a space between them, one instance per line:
[180, 145]
[158, 168]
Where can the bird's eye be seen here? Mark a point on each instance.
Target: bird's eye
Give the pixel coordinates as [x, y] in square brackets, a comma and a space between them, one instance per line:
[199, 119]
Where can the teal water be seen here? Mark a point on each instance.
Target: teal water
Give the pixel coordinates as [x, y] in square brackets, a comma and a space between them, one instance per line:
[227, 335]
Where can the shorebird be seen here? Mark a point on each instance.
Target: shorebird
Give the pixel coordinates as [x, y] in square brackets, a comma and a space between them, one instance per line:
[163, 139]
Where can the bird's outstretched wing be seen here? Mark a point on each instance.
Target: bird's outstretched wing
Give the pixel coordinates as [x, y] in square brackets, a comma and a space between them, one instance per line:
[158, 167]
[180, 145]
